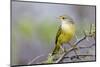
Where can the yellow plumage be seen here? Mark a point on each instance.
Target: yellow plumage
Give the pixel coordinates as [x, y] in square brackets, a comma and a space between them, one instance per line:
[65, 33]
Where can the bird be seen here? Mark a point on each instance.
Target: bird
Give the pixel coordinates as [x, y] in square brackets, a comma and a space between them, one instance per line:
[65, 33]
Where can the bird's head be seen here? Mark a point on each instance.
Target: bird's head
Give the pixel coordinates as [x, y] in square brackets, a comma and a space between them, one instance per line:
[66, 19]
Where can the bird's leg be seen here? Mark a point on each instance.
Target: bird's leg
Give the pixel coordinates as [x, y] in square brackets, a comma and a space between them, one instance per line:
[73, 46]
[62, 48]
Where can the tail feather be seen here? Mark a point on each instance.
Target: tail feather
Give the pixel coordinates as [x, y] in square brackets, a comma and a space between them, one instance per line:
[56, 50]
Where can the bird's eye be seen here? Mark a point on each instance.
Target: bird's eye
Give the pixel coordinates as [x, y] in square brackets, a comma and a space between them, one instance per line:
[63, 17]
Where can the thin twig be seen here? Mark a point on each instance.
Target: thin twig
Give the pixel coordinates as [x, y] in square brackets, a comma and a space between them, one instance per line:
[71, 49]
[35, 59]
[61, 58]
[77, 42]
[79, 56]
[63, 55]
[87, 47]
[90, 29]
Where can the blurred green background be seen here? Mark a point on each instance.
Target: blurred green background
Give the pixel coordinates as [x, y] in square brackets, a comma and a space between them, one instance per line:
[34, 27]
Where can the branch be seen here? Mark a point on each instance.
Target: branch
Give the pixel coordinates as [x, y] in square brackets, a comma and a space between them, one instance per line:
[62, 57]
[35, 59]
[87, 47]
[73, 57]
[83, 38]
[90, 29]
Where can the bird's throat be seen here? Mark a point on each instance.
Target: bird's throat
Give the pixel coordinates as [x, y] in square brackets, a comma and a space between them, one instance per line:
[67, 28]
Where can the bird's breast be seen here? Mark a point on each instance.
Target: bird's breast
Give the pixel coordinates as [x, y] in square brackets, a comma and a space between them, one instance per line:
[68, 28]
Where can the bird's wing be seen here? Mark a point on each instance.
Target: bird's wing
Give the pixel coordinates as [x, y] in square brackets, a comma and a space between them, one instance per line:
[58, 34]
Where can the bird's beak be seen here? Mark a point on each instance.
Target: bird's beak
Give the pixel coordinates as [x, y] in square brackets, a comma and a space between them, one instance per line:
[59, 17]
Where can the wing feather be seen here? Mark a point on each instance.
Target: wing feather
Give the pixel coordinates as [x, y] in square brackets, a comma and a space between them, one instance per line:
[58, 34]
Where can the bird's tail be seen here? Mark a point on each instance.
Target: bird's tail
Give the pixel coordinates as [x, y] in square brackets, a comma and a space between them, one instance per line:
[56, 50]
